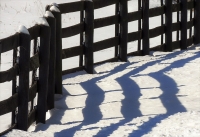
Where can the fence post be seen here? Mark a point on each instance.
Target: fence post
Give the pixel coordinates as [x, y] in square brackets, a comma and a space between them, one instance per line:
[117, 28]
[183, 25]
[24, 59]
[168, 28]
[52, 58]
[43, 70]
[58, 76]
[89, 34]
[145, 27]
[123, 30]
[197, 22]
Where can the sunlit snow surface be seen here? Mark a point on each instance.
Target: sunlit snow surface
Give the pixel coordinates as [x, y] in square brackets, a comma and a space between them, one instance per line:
[155, 95]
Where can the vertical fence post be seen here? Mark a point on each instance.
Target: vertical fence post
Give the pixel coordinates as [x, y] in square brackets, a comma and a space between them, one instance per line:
[117, 28]
[139, 25]
[123, 30]
[168, 22]
[183, 24]
[24, 59]
[89, 34]
[52, 58]
[81, 38]
[197, 22]
[145, 27]
[43, 70]
[58, 78]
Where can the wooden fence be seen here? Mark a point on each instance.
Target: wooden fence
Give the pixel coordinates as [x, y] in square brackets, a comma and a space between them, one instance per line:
[48, 59]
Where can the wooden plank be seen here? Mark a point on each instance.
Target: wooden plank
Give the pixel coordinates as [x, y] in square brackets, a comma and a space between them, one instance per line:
[183, 43]
[89, 34]
[108, 43]
[145, 27]
[190, 4]
[176, 26]
[71, 7]
[52, 61]
[31, 117]
[133, 16]
[33, 91]
[116, 53]
[156, 31]
[135, 36]
[34, 32]
[73, 30]
[43, 73]
[168, 22]
[34, 62]
[24, 61]
[58, 74]
[9, 104]
[123, 30]
[81, 38]
[157, 11]
[162, 23]
[14, 126]
[9, 43]
[197, 22]
[9, 74]
[102, 22]
[175, 7]
[103, 3]
[139, 25]
[71, 52]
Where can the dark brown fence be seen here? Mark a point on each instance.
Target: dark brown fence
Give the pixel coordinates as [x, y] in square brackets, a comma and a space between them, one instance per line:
[48, 57]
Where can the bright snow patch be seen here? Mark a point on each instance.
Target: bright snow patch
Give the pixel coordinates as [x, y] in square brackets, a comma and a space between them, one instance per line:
[42, 21]
[55, 4]
[54, 8]
[23, 29]
[48, 14]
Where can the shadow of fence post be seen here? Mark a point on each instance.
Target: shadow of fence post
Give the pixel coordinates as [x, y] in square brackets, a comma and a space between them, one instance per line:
[24, 59]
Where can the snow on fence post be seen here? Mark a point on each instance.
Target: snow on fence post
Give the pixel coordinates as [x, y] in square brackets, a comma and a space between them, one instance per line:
[145, 27]
[89, 34]
[183, 44]
[52, 59]
[58, 76]
[168, 22]
[43, 70]
[123, 30]
[23, 90]
[197, 22]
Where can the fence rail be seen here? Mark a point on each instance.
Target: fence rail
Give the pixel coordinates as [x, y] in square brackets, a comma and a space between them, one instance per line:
[47, 58]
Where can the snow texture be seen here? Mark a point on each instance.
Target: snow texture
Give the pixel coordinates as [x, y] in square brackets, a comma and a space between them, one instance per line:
[54, 8]
[23, 29]
[48, 14]
[55, 4]
[42, 21]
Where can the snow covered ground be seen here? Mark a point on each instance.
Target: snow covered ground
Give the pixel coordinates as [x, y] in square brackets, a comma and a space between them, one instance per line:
[155, 95]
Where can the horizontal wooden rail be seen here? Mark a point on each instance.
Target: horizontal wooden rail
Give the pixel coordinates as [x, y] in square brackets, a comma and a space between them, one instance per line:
[101, 22]
[190, 5]
[9, 43]
[156, 11]
[34, 62]
[31, 117]
[71, 7]
[9, 74]
[72, 30]
[34, 32]
[103, 3]
[176, 7]
[135, 36]
[71, 52]
[9, 104]
[108, 43]
[156, 31]
[33, 91]
[133, 16]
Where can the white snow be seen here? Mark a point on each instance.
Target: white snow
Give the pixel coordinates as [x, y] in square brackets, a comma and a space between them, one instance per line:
[23, 29]
[151, 96]
[42, 21]
[48, 14]
[54, 8]
[55, 4]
